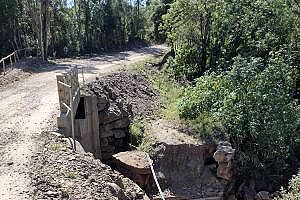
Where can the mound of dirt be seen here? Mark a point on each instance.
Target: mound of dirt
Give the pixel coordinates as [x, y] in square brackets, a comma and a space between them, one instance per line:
[59, 173]
[130, 88]
[23, 69]
[12, 76]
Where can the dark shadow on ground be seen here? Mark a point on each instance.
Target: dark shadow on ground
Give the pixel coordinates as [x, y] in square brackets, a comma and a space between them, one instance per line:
[36, 65]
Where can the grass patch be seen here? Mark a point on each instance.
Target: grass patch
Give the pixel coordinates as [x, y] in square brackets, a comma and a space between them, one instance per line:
[139, 65]
[56, 147]
[140, 137]
[70, 174]
[170, 91]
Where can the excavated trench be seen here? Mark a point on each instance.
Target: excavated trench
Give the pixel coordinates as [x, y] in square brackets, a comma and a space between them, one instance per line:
[184, 171]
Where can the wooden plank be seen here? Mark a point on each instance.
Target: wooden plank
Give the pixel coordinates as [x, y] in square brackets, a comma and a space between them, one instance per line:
[61, 93]
[70, 97]
[95, 128]
[11, 63]
[86, 127]
[17, 55]
[15, 58]
[3, 67]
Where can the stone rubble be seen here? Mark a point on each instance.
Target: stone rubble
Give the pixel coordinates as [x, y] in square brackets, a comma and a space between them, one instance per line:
[60, 174]
[224, 156]
[120, 96]
[135, 165]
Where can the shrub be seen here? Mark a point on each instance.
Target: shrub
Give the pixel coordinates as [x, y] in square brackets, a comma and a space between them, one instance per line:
[186, 64]
[253, 103]
[293, 192]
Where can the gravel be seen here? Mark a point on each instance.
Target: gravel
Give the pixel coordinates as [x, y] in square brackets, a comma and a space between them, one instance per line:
[59, 173]
[129, 87]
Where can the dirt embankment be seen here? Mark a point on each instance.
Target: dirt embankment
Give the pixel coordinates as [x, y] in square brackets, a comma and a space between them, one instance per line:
[59, 173]
[182, 163]
[131, 88]
[20, 71]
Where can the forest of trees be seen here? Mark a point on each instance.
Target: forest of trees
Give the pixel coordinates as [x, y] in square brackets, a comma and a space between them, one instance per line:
[83, 26]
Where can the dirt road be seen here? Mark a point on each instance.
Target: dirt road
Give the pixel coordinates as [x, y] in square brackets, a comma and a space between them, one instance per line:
[30, 107]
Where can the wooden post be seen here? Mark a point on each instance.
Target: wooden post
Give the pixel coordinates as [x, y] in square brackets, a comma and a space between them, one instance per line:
[61, 93]
[82, 73]
[72, 119]
[17, 55]
[3, 67]
[15, 58]
[11, 63]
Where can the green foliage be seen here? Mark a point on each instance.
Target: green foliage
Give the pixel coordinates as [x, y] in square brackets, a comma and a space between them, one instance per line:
[253, 103]
[70, 174]
[186, 64]
[140, 137]
[8, 16]
[81, 26]
[222, 30]
[293, 192]
[136, 130]
[154, 11]
[170, 91]
[57, 147]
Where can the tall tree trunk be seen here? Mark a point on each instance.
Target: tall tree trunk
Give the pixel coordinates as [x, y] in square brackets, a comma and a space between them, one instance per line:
[77, 6]
[44, 27]
[35, 20]
[87, 26]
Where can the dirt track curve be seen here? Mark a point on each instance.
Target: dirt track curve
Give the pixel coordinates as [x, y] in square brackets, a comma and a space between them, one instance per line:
[30, 106]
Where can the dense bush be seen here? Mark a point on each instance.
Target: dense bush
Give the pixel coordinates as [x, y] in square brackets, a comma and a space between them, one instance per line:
[253, 103]
[222, 30]
[293, 192]
[186, 64]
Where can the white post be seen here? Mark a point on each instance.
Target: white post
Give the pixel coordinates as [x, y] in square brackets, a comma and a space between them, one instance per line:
[3, 67]
[11, 63]
[15, 58]
[82, 76]
[72, 119]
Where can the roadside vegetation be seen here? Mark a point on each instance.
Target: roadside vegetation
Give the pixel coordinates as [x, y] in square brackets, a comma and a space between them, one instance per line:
[141, 139]
[170, 91]
[293, 191]
[234, 77]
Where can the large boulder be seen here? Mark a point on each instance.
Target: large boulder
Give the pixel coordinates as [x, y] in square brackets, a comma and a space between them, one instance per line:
[135, 165]
[224, 156]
